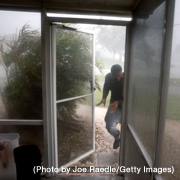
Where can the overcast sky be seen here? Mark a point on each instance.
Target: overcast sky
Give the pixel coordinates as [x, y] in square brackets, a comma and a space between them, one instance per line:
[12, 20]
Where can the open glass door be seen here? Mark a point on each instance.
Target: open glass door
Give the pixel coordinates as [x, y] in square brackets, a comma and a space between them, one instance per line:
[73, 77]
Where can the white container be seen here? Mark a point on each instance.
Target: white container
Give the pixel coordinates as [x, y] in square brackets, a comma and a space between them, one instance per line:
[7, 164]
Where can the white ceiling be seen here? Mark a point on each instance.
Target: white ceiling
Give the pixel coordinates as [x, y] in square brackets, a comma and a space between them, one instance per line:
[129, 4]
[93, 6]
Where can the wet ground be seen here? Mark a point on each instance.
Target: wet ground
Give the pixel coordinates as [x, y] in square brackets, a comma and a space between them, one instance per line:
[104, 154]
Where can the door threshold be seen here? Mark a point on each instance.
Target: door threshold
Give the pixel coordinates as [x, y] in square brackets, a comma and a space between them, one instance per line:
[86, 176]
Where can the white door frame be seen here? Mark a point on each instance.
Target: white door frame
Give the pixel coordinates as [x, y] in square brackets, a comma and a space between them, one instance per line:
[48, 105]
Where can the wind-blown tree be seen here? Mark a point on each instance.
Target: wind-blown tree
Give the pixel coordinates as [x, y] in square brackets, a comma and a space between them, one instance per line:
[20, 57]
[22, 94]
[74, 67]
[112, 39]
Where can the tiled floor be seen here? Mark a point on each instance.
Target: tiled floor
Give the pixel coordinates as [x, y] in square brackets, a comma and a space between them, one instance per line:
[86, 177]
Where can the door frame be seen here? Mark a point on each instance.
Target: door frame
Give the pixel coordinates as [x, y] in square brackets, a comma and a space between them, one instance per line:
[48, 105]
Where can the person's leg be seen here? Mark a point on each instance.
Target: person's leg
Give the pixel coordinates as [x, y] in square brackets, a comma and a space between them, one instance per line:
[112, 119]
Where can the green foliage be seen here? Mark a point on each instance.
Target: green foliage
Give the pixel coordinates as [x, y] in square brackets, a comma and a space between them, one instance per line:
[74, 67]
[100, 67]
[22, 94]
[98, 98]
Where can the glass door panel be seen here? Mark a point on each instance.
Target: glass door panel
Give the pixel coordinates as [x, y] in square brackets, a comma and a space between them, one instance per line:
[73, 60]
[75, 129]
[74, 53]
[146, 52]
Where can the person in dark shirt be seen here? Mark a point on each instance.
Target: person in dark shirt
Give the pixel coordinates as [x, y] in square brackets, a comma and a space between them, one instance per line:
[114, 83]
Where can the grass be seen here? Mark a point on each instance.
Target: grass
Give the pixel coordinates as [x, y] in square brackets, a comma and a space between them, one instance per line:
[174, 82]
[173, 107]
[98, 98]
[146, 105]
[101, 77]
[98, 94]
[173, 103]
[145, 102]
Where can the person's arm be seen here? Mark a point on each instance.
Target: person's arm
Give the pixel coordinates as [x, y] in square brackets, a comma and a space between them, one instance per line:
[106, 87]
[105, 91]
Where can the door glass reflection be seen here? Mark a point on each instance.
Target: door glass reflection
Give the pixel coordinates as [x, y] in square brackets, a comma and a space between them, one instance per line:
[147, 46]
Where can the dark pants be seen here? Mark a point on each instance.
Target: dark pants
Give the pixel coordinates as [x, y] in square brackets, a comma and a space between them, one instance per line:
[112, 119]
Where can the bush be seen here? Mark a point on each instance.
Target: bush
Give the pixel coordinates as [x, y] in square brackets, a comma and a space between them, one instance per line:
[22, 94]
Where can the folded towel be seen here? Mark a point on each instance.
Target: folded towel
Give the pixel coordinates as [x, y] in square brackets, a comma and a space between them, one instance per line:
[3, 144]
[6, 152]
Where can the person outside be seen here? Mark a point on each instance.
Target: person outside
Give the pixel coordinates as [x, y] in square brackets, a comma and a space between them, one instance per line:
[114, 83]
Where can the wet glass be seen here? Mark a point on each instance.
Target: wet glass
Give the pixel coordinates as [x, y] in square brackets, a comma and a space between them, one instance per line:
[146, 55]
[171, 142]
[75, 129]
[134, 158]
[74, 63]
[20, 65]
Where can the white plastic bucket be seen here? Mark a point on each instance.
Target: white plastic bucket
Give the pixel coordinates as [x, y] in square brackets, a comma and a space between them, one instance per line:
[7, 165]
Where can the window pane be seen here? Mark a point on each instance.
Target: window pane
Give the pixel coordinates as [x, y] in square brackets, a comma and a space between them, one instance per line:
[75, 129]
[146, 54]
[74, 63]
[171, 145]
[20, 65]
